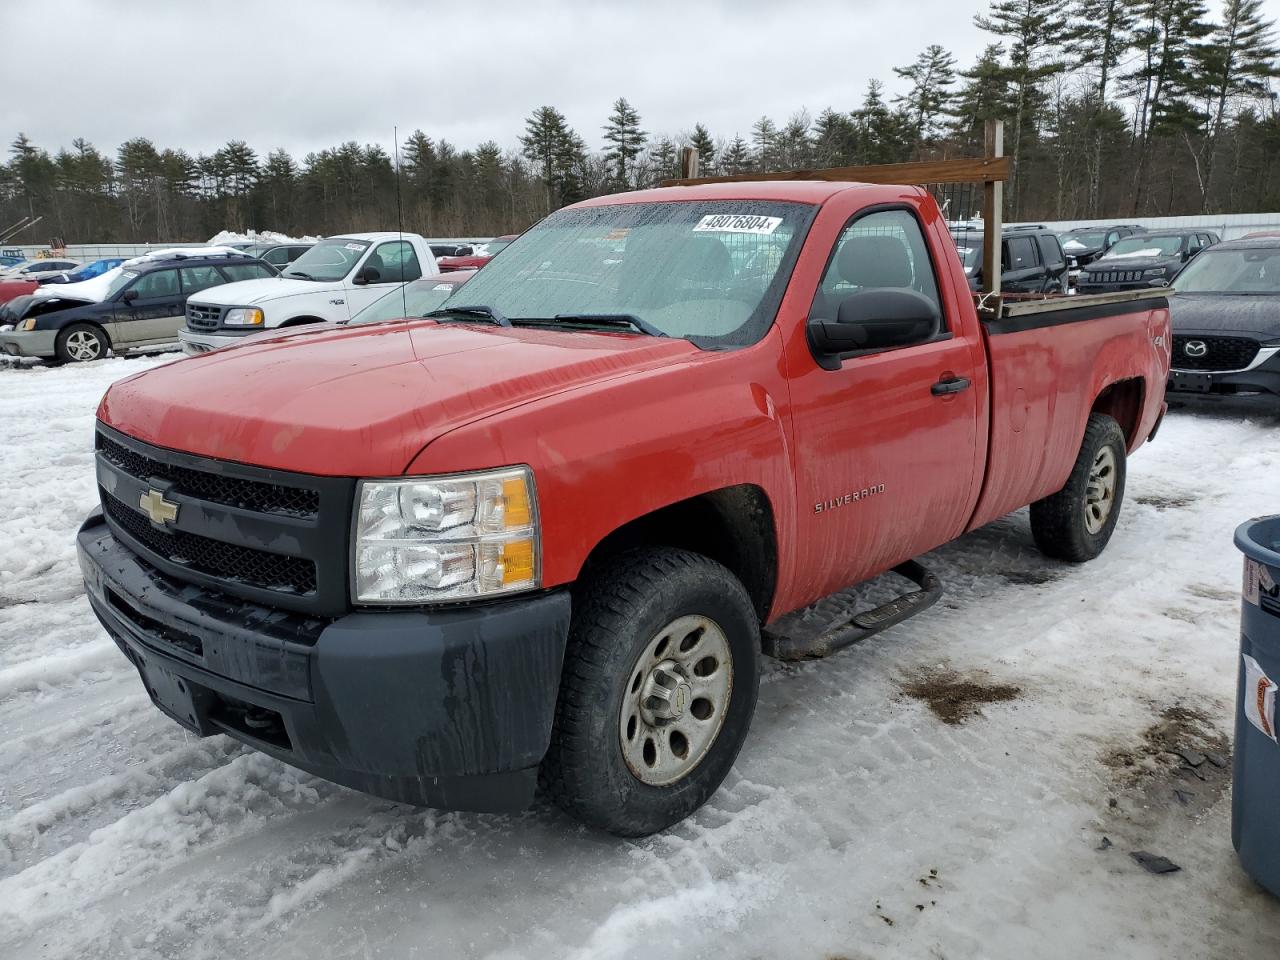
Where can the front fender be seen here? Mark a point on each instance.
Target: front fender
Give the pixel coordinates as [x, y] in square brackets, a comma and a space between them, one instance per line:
[610, 452]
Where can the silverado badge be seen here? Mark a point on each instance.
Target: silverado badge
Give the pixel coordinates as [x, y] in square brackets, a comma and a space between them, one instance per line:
[155, 506]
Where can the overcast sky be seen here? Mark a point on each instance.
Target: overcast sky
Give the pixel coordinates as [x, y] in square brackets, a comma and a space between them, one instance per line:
[307, 75]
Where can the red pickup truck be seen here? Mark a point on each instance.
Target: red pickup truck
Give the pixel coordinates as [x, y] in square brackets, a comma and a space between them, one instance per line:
[547, 532]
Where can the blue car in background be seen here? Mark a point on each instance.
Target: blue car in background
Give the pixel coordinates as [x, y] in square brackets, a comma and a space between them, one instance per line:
[8, 260]
[88, 271]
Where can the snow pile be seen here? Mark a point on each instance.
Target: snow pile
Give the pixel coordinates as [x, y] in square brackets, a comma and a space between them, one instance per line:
[258, 236]
[92, 290]
[855, 821]
[1074, 244]
[1147, 252]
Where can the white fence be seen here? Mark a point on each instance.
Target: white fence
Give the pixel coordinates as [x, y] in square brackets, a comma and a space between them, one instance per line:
[1228, 226]
[86, 252]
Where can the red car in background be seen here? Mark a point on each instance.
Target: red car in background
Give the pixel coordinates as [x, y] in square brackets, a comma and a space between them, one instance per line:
[484, 253]
[16, 288]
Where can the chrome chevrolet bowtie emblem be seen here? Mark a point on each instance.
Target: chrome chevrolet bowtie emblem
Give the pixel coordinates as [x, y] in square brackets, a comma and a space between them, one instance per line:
[1195, 348]
[155, 506]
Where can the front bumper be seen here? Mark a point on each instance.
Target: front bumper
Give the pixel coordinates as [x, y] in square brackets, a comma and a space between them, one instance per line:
[193, 343]
[29, 343]
[448, 709]
[1261, 376]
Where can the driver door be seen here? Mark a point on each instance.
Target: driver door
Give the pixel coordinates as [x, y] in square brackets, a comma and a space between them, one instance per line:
[157, 307]
[396, 262]
[885, 447]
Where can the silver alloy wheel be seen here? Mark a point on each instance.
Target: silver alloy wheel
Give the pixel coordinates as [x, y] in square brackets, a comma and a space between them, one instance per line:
[83, 345]
[676, 700]
[1100, 492]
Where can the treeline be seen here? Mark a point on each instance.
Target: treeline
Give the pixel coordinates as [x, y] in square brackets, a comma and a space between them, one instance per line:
[1112, 108]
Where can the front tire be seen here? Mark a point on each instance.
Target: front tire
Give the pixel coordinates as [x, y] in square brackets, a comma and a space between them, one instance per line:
[660, 680]
[1076, 523]
[81, 343]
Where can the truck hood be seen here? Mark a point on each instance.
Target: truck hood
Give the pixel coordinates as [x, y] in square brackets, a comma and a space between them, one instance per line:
[246, 293]
[1228, 314]
[365, 401]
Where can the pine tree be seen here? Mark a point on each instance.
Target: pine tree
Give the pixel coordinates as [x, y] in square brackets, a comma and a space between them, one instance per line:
[664, 160]
[1164, 80]
[835, 139]
[883, 134]
[701, 141]
[626, 142]
[986, 95]
[764, 137]
[1236, 61]
[794, 146]
[1099, 35]
[931, 76]
[736, 157]
[1035, 28]
[554, 150]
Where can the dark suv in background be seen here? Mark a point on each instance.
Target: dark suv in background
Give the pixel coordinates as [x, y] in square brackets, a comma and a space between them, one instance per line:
[1031, 258]
[144, 307]
[1145, 260]
[1225, 312]
[1083, 245]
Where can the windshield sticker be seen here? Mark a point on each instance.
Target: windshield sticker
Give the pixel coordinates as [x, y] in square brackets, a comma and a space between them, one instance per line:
[355, 247]
[737, 223]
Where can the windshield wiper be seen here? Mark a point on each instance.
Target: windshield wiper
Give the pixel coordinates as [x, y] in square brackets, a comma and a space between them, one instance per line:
[477, 310]
[299, 273]
[610, 320]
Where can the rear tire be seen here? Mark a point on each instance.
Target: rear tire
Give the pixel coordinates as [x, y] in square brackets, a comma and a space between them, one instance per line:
[659, 686]
[1076, 523]
[81, 343]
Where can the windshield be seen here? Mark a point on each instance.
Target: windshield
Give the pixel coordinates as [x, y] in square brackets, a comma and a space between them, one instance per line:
[1232, 271]
[417, 300]
[328, 260]
[709, 271]
[119, 283]
[1079, 240]
[1146, 247]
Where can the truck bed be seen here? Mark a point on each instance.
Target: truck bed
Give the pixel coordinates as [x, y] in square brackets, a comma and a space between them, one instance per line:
[1048, 359]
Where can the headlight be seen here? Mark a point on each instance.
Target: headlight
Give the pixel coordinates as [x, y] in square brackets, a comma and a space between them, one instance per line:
[446, 538]
[243, 317]
[1155, 272]
[29, 323]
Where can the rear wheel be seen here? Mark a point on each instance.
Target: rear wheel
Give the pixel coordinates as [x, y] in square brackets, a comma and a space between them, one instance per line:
[1076, 523]
[659, 686]
[81, 343]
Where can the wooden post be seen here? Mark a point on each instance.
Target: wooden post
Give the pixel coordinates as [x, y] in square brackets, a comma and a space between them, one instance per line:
[992, 214]
[688, 163]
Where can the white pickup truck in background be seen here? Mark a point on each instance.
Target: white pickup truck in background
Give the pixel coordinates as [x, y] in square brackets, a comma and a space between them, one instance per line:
[332, 281]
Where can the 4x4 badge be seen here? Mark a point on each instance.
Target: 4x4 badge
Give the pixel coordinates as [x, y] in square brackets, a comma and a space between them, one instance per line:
[155, 506]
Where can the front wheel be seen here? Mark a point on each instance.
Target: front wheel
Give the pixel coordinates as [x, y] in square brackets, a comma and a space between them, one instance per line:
[659, 687]
[81, 343]
[1076, 523]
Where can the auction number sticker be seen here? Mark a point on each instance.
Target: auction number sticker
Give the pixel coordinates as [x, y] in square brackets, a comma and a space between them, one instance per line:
[737, 223]
[1259, 697]
[355, 247]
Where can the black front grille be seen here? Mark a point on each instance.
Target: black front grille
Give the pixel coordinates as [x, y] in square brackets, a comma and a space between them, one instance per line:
[200, 317]
[227, 561]
[219, 488]
[1114, 276]
[1213, 353]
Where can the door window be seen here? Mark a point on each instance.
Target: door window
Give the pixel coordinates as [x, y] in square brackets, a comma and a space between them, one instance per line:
[395, 262]
[883, 249]
[277, 257]
[1022, 253]
[1050, 251]
[195, 279]
[161, 283]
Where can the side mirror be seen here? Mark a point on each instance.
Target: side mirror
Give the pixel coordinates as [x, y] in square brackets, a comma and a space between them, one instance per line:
[129, 295]
[367, 275]
[874, 320]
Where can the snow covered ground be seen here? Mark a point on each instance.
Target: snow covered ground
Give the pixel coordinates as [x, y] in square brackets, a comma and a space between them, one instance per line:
[856, 824]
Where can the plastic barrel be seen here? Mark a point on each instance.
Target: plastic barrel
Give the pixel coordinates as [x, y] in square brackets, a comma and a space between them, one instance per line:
[1255, 800]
